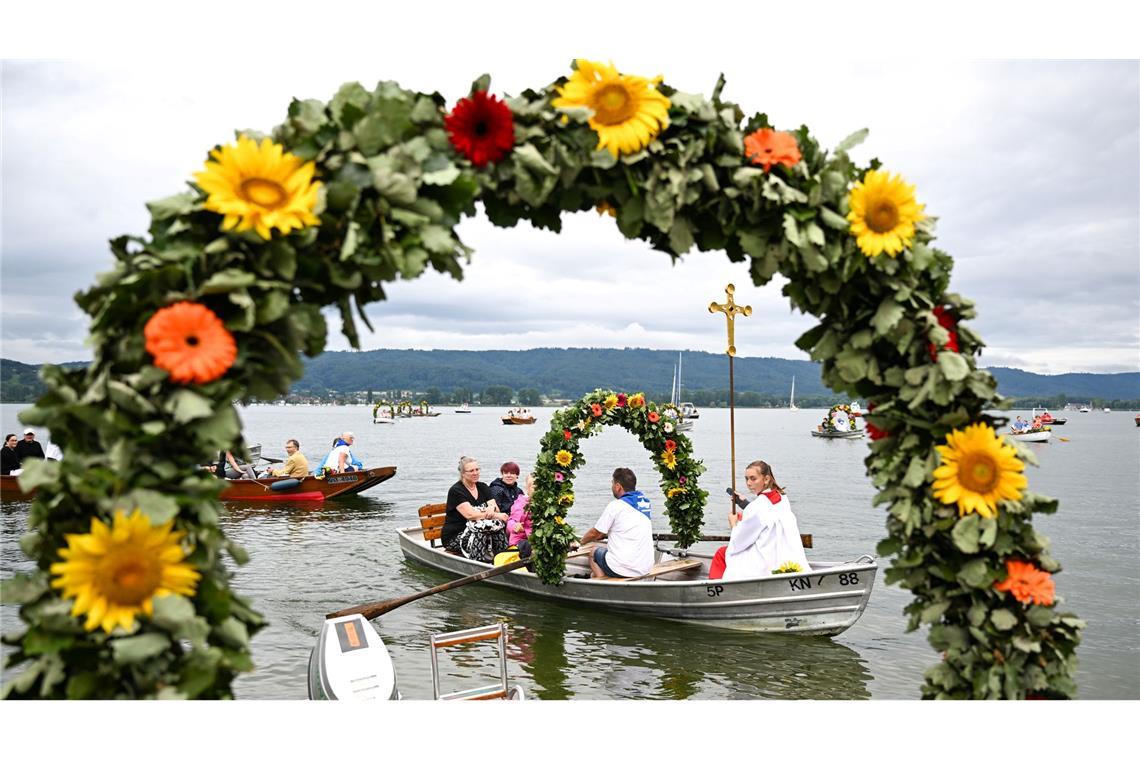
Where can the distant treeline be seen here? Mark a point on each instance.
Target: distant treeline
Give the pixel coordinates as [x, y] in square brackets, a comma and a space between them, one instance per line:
[526, 377]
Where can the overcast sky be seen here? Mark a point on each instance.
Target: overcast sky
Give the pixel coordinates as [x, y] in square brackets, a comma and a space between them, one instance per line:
[1031, 166]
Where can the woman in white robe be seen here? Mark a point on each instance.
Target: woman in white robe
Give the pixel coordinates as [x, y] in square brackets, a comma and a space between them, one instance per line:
[765, 536]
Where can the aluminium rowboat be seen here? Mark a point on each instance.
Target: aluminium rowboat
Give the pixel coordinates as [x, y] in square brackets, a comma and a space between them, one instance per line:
[823, 602]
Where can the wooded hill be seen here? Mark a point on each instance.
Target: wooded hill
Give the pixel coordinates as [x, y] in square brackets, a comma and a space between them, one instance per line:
[568, 373]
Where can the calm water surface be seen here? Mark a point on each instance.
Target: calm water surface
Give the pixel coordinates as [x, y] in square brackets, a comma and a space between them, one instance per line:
[309, 560]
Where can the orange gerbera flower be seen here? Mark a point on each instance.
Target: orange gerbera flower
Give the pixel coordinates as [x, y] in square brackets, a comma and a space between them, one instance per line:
[190, 342]
[1027, 584]
[670, 445]
[768, 147]
[654, 416]
[596, 409]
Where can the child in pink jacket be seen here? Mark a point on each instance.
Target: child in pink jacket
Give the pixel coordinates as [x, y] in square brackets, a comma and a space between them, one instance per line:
[519, 525]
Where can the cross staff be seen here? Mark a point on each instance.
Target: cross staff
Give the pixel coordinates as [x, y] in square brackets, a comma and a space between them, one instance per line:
[730, 311]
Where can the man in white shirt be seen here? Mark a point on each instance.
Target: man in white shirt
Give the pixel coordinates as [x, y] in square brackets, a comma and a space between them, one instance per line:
[626, 525]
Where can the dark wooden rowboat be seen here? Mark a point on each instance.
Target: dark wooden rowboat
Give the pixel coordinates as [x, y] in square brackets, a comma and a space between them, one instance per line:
[307, 489]
[518, 420]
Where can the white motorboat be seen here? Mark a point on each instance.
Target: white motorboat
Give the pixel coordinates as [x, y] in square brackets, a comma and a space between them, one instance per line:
[350, 663]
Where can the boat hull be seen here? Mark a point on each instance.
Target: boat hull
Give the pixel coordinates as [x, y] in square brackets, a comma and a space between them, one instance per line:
[518, 420]
[1040, 436]
[824, 602]
[838, 434]
[309, 488]
[10, 489]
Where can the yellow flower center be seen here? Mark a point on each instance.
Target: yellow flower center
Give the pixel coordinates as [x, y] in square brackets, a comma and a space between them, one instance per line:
[613, 105]
[128, 577]
[263, 192]
[883, 216]
[978, 472]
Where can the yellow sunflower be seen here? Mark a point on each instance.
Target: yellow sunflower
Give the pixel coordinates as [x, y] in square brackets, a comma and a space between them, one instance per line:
[675, 492]
[115, 572]
[669, 459]
[564, 457]
[978, 470]
[566, 499]
[883, 213]
[259, 187]
[611, 401]
[628, 111]
[788, 567]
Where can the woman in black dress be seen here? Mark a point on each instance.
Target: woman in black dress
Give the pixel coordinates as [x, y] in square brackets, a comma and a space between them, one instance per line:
[473, 524]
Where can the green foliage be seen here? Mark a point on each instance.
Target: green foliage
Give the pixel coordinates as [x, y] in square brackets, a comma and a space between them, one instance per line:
[394, 191]
[553, 495]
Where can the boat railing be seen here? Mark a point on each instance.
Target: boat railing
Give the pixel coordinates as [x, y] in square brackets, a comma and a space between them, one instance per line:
[496, 633]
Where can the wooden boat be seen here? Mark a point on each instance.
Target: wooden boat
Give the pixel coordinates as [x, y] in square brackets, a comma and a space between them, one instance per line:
[517, 420]
[10, 489]
[1032, 436]
[351, 663]
[1046, 418]
[307, 488]
[823, 602]
[837, 433]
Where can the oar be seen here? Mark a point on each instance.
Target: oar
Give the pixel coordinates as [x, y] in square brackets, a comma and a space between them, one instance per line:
[376, 609]
[271, 460]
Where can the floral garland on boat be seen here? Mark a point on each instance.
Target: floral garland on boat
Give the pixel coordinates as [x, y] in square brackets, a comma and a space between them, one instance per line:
[561, 455]
[222, 296]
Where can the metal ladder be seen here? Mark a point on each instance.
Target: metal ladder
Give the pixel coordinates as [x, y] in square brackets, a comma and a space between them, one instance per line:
[500, 690]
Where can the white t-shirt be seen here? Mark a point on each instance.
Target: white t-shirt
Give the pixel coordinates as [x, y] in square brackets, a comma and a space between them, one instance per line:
[630, 539]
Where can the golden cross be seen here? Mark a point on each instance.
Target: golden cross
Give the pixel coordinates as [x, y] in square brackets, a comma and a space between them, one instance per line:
[730, 310]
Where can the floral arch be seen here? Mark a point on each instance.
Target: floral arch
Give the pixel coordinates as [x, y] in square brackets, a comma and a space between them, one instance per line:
[216, 303]
[560, 456]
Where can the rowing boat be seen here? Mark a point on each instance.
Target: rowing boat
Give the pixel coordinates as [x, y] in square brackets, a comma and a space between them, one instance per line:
[306, 488]
[823, 602]
[511, 420]
[309, 488]
[837, 433]
[1032, 436]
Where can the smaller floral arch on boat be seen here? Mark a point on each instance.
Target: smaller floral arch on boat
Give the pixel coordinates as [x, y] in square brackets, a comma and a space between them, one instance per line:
[390, 411]
[839, 419]
[560, 456]
[404, 409]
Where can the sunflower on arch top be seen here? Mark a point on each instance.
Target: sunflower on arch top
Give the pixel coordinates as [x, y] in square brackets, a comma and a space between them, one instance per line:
[670, 451]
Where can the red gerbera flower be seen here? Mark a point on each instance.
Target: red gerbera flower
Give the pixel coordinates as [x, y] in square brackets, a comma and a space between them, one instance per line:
[190, 342]
[481, 127]
[670, 445]
[947, 320]
[566, 434]
[874, 432]
[622, 399]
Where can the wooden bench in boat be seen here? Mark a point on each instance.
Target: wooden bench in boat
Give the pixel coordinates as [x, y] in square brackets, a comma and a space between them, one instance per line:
[672, 566]
[432, 517]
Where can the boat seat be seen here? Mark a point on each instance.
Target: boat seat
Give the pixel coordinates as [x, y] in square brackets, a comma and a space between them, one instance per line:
[661, 568]
[432, 517]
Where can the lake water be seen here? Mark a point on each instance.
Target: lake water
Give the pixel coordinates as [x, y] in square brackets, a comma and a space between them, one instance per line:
[310, 560]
